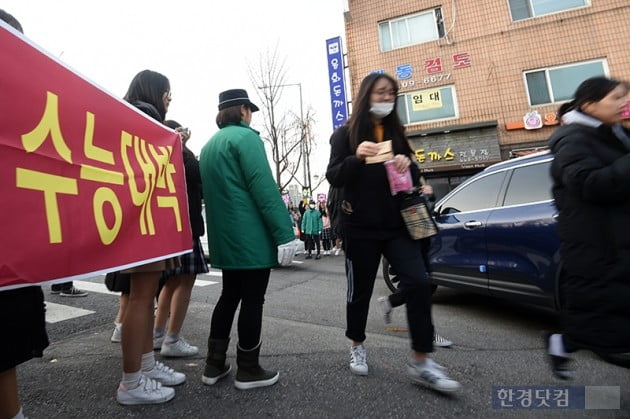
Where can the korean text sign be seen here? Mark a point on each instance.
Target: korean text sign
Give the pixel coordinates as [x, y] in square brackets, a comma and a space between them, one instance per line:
[88, 183]
[336, 80]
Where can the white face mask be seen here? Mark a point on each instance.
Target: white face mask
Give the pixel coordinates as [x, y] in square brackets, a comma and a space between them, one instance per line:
[312, 206]
[382, 109]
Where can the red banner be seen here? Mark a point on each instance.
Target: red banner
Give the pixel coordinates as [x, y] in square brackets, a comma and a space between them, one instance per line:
[88, 184]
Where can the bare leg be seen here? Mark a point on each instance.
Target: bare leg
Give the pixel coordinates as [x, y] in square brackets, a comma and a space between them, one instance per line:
[137, 331]
[419, 356]
[165, 302]
[122, 307]
[9, 400]
[179, 303]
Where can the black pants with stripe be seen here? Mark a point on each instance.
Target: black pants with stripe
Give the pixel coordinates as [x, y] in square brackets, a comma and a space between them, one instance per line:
[405, 256]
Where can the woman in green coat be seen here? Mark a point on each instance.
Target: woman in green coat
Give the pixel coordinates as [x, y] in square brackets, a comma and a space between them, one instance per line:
[312, 227]
[248, 234]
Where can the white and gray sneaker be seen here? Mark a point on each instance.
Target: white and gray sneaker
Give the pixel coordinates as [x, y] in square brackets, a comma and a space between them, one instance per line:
[433, 375]
[178, 349]
[358, 360]
[117, 333]
[441, 341]
[148, 392]
[158, 341]
[386, 309]
[165, 375]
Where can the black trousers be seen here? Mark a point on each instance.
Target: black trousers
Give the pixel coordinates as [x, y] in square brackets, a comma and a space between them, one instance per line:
[311, 241]
[64, 286]
[405, 256]
[248, 288]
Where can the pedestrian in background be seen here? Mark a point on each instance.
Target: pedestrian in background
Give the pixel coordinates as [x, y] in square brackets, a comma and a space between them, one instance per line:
[117, 282]
[249, 232]
[333, 204]
[591, 188]
[23, 319]
[67, 289]
[312, 228]
[143, 376]
[373, 226]
[174, 297]
[326, 233]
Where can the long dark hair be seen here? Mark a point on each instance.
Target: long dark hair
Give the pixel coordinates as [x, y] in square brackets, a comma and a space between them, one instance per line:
[8, 17]
[590, 90]
[360, 123]
[149, 86]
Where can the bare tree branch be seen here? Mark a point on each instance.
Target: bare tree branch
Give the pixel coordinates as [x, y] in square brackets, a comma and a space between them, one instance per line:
[269, 76]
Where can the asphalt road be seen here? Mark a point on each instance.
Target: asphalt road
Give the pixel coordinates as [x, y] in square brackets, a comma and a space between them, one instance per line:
[496, 344]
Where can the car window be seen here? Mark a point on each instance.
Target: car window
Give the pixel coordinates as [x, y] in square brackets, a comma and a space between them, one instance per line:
[529, 184]
[479, 194]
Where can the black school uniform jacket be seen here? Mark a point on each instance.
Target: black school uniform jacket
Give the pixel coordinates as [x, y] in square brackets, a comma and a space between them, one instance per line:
[591, 188]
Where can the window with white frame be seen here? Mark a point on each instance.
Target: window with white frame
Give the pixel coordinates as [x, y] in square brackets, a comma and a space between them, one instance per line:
[525, 9]
[427, 105]
[557, 84]
[411, 29]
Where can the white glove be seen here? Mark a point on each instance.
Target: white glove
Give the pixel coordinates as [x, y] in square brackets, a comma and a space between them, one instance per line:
[286, 252]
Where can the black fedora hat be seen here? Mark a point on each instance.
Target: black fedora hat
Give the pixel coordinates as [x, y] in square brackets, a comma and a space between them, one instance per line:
[234, 97]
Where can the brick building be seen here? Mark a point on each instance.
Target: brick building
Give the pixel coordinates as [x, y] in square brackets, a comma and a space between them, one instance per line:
[480, 81]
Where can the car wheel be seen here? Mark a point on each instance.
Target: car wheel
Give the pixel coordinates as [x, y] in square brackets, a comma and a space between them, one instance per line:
[391, 278]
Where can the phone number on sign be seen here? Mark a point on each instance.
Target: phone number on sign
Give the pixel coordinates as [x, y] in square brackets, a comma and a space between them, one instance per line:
[426, 80]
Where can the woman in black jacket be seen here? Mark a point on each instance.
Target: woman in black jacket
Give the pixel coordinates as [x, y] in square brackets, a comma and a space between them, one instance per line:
[591, 187]
[373, 225]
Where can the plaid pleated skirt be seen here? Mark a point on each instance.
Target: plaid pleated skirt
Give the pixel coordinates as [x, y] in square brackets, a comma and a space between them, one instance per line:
[192, 263]
[327, 234]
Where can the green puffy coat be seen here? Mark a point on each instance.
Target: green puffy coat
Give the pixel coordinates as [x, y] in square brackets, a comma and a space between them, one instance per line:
[245, 214]
[312, 221]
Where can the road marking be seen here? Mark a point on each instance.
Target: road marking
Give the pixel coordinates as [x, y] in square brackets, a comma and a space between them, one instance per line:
[59, 312]
[204, 283]
[102, 289]
[94, 287]
[213, 273]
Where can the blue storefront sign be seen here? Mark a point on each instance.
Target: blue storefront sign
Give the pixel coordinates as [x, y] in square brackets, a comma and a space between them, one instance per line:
[336, 81]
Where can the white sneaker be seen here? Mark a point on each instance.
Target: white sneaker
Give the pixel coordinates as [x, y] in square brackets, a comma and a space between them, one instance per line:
[386, 309]
[179, 348]
[117, 334]
[337, 250]
[148, 392]
[165, 375]
[432, 375]
[157, 342]
[441, 341]
[358, 360]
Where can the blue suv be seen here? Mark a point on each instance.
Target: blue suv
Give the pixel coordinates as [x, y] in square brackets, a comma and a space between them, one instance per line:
[498, 234]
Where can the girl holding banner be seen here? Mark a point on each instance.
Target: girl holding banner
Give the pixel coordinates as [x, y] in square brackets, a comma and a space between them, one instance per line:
[143, 377]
